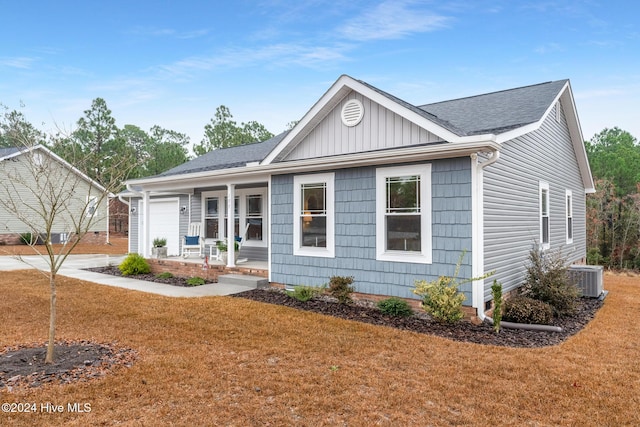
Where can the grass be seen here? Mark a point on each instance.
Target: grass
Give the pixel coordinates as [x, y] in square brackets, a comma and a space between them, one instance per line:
[226, 361]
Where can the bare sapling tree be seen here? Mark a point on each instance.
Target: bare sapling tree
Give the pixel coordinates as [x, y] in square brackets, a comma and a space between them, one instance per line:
[46, 198]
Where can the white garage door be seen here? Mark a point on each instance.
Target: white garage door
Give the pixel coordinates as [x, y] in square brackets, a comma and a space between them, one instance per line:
[164, 221]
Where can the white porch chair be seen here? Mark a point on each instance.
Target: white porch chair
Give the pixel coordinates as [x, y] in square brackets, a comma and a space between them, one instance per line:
[193, 243]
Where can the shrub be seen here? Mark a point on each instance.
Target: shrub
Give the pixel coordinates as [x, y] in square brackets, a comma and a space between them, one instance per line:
[134, 264]
[440, 297]
[547, 280]
[395, 306]
[496, 292]
[195, 281]
[521, 309]
[304, 293]
[30, 239]
[340, 288]
[165, 275]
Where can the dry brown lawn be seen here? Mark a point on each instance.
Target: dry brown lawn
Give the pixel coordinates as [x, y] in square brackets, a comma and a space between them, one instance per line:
[117, 246]
[227, 361]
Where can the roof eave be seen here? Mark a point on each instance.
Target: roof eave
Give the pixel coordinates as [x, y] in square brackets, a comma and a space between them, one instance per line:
[263, 172]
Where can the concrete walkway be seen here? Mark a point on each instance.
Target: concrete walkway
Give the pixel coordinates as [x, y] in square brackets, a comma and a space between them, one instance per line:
[74, 265]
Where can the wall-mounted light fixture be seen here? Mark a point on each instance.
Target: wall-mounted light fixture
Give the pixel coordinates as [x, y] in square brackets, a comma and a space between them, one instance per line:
[183, 209]
[133, 209]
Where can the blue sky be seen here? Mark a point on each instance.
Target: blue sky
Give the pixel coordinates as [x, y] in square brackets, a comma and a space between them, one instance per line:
[172, 63]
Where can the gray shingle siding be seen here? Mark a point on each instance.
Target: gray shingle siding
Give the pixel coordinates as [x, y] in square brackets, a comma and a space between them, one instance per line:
[511, 201]
[355, 233]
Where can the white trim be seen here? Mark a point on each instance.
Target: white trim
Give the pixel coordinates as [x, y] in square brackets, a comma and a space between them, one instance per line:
[269, 251]
[298, 249]
[568, 199]
[425, 254]
[544, 186]
[477, 232]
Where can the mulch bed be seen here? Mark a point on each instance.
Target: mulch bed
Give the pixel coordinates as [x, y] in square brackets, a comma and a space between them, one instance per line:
[24, 366]
[115, 271]
[366, 311]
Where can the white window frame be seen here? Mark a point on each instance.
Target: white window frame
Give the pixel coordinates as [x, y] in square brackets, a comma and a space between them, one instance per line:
[299, 250]
[544, 187]
[569, 211]
[425, 254]
[241, 194]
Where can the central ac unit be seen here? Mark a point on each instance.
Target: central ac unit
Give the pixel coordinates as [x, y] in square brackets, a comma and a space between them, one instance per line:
[588, 278]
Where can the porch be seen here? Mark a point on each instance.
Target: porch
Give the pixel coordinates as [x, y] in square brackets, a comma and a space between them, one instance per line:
[194, 266]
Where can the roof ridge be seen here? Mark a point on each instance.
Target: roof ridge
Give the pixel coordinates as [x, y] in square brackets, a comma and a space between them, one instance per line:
[493, 93]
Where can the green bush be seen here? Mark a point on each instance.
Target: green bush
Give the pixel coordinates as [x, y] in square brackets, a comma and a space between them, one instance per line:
[521, 309]
[304, 293]
[30, 239]
[195, 281]
[440, 297]
[134, 264]
[395, 306]
[547, 280]
[340, 288]
[496, 293]
[165, 275]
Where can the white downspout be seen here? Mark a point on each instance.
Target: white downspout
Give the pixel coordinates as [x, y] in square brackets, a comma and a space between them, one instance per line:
[477, 232]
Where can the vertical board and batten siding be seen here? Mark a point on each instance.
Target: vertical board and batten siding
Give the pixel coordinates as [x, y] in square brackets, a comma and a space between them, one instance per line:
[379, 129]
[511, 201]
[355, 233]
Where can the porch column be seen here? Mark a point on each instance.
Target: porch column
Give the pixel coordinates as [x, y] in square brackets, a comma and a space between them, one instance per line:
[145, 249]
[231, 219]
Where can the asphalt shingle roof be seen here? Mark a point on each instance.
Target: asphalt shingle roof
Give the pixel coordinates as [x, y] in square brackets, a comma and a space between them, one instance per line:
[494, 112]
[225, 158]
[497, 112]
[8, 151]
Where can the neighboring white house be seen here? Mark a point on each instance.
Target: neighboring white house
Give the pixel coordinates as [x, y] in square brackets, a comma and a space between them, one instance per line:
[20, 168]
[370, 186]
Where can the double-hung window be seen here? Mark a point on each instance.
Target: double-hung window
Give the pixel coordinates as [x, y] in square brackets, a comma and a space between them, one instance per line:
[313, 215]
[403, 213]
[544, 216]
[569, 201]
[254, 216]
[211, 217]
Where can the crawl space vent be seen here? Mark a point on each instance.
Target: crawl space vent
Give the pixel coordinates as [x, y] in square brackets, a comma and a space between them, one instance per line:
[352, 112]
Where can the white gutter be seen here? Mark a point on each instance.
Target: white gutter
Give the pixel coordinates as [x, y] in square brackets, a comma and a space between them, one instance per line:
[247, 174]
[477, 232]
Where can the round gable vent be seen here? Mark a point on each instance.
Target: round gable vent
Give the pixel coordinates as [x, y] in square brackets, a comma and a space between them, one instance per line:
[352, 112]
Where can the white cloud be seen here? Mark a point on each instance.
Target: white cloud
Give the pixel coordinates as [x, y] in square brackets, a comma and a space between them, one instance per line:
[392, 19]
[272, 55]
[22, 62]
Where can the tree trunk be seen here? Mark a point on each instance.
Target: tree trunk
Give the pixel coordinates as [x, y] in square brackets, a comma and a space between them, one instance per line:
[52, 319]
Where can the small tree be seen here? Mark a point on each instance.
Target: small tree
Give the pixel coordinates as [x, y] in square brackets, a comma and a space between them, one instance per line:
[46, 195]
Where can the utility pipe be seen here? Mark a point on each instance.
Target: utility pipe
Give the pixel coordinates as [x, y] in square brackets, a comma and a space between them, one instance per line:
[526, 326]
